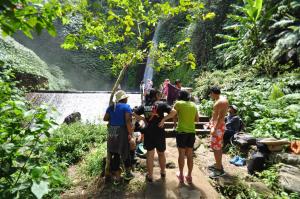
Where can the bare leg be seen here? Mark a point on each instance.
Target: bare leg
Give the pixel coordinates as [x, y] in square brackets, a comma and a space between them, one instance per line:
[162, 161]
[181, 152]
[218, 158]
[150, 158]
[189, 155]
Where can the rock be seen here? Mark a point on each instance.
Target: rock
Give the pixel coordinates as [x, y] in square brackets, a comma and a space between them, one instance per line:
[261, 188]
[286, 158]
[141, 163]
[289, 178]
[73, 117]
[31, 81]
[170, 165]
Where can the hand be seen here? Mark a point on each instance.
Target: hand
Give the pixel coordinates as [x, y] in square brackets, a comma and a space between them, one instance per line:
[212, 131]
[161, 124]
[129, 137]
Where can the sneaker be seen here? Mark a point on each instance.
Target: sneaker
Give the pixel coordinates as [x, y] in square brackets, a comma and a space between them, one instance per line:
[180, 177]
[213, 167]
[234, 159]
[149, 179]
[217, 173]
[128, 176]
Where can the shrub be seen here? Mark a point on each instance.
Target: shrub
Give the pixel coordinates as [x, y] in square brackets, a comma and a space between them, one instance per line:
[74, 140]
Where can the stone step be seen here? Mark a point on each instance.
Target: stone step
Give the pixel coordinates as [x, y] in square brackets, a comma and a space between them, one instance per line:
[199, 125]
[171, 133]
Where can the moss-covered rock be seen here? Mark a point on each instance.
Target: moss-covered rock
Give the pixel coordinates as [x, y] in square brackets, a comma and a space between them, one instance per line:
[24, 61]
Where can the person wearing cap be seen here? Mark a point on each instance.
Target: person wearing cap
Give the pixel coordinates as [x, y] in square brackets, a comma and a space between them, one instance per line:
[120, 131]
[233, 124]
[187, 114]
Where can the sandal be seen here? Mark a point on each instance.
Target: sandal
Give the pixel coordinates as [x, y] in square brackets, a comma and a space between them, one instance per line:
[180, 177]
[148, 178]
[163, 175]
[189, 179]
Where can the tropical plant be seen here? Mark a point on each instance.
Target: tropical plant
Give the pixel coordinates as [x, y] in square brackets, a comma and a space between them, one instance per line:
[128, 23]
[244, 32]
[26, 164]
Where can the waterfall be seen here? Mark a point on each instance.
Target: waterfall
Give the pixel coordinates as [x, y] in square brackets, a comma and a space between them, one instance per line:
[91, 105]
[148, 74]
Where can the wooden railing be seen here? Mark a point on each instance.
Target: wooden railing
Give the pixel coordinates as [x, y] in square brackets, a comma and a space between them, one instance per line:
[200, 129]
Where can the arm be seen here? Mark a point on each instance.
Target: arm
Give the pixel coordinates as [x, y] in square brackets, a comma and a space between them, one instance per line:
[196, 117]
[138, 117]
[128, 124]
[172, 114]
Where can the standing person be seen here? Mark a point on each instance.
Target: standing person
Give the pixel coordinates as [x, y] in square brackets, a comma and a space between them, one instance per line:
[185, 138]
[154, 136]
[165, 89]
[120, 131]
[217, 128]
[178, 84]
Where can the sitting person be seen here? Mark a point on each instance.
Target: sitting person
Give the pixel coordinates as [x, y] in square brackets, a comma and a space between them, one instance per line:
[233, 124]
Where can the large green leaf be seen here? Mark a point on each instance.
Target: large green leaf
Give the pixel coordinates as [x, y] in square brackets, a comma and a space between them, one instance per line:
[40, 189]
[258, 6]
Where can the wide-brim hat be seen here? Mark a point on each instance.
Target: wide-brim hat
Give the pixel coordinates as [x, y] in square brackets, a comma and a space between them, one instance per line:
[120, 94]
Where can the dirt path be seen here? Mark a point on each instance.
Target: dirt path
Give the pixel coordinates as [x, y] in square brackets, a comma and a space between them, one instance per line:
[170, 188]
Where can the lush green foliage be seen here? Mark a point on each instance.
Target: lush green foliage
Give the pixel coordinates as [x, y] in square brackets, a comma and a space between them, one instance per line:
[269, 107]
[92, 164]
[271, 178]
[109, 23]
[75, 140]
[27, 161]
[28, 15]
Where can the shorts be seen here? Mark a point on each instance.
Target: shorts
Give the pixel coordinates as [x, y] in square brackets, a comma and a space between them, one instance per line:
[155, 138]
[185, 140]
[217, 139]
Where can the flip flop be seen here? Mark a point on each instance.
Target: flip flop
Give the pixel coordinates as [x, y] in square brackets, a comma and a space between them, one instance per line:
[180, 177]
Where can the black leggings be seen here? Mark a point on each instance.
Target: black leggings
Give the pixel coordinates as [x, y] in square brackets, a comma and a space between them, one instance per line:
[116, 161]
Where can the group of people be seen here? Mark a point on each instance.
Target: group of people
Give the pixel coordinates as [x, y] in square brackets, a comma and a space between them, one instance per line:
[154, 113]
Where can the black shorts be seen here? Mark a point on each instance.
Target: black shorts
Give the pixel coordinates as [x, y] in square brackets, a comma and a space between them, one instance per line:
[185, 140]
[155, 138]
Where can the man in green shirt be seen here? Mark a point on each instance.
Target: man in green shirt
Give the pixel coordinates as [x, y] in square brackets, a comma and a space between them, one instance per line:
[187, 114]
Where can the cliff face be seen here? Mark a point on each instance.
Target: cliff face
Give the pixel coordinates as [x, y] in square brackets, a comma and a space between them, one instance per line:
[32, 71]
[82, 68]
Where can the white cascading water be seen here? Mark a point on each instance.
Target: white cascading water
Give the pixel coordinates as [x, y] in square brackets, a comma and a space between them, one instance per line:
[91, 105]
[148, 74]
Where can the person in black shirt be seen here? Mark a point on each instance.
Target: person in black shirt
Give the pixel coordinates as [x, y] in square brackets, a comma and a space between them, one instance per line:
[154, 136]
